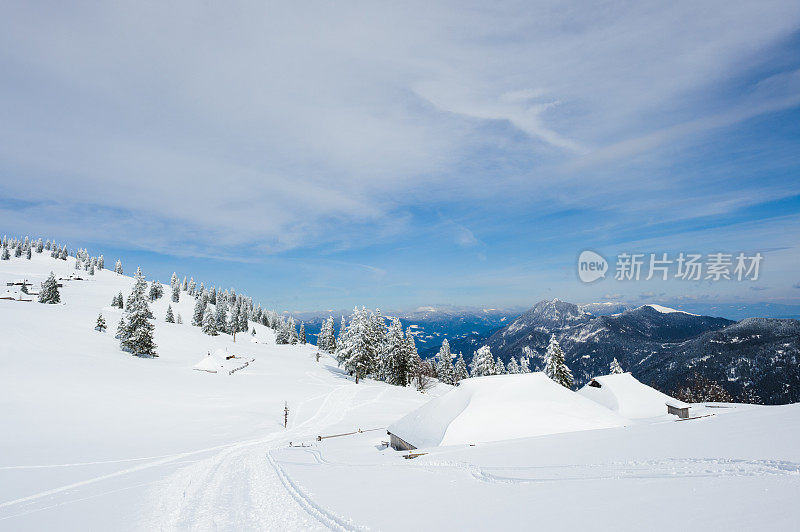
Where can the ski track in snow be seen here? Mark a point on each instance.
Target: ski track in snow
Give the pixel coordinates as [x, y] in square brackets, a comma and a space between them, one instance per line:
[236, 489]
[646, 469]
[329, 519]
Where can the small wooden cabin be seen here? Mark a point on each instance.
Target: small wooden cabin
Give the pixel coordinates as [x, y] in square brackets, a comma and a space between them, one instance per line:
[681, 412]
[399, 444]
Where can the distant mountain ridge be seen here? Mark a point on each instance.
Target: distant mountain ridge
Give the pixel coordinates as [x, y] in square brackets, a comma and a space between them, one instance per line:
[663, 347]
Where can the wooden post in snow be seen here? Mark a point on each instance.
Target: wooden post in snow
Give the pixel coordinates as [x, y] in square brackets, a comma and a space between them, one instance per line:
[285, 414]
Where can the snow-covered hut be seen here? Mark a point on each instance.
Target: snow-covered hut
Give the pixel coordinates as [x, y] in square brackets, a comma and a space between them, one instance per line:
[222, 362]
[625, 395]
[499, 407]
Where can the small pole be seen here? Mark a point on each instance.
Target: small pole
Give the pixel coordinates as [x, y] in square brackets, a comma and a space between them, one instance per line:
[285, 414]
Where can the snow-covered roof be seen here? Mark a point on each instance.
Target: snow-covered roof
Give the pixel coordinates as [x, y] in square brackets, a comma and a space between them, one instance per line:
[502, 407]
[218, 362]
[625, 395]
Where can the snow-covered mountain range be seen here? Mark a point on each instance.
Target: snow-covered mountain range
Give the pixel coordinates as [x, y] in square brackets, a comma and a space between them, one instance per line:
[664, 347]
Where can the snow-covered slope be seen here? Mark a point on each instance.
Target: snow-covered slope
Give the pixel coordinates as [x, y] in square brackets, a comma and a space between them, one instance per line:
[502, 407]
[92, 438]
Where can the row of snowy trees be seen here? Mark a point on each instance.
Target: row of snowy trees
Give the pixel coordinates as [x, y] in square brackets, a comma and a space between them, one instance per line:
[25, 247]
[367, 347]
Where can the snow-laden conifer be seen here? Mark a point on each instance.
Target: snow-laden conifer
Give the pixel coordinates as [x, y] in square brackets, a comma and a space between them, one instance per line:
[199, 312]
[555, 367]
[49, 292]
[100, 324]
[614, 367]
[444, 364]
[460, 371]
[118, 267]
[398, 370]
[482, 362]
[137, 337]
[170, 316]
[176, 293]
[354, 351]
[210, 322]
[302, 336]
[512, 368]
[221, 316]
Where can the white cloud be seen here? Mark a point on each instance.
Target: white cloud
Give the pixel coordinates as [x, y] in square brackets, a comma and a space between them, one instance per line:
[292, 126]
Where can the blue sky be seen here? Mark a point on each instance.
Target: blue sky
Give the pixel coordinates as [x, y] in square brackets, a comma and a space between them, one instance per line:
[407, 155]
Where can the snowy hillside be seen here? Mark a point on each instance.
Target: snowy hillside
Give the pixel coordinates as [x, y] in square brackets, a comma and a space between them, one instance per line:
[94, 438]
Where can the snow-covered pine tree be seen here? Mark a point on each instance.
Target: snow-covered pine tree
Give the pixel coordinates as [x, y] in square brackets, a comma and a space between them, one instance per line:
[221, 316]
[322, 337]
[101, 262]
[283, 336]
[555, 367]
[170, 316]
[5, 255]
[173, 281]
[331, 344]
[179, 319]
[293, 339]
[138, 336]
[210, 323]
[354, 350]
[118, 267]
[91, 269]
[176, 293]
[614, 367]
[398, 370]
[49, 292]
[185, 284]
[192, 287]
[512, 368]
[377, 343]
[39, 246]
[243, 321]
[18, 250]
[302, 332]
[499, 367]
[28, 254]
[64, 253]
[444, 364]
[482, 362]
[156, 291]
[460, 371]
[139, 292]
[212, 296]
[100, 324]
[121, 329]
[199, 312]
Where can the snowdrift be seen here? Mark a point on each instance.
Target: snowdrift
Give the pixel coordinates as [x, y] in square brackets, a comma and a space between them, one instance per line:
[502, 407]
[625, 395]
[222, 362]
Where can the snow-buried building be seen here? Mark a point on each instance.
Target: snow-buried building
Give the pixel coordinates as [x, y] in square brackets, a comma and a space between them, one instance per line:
[500, 407]
[625, 395]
